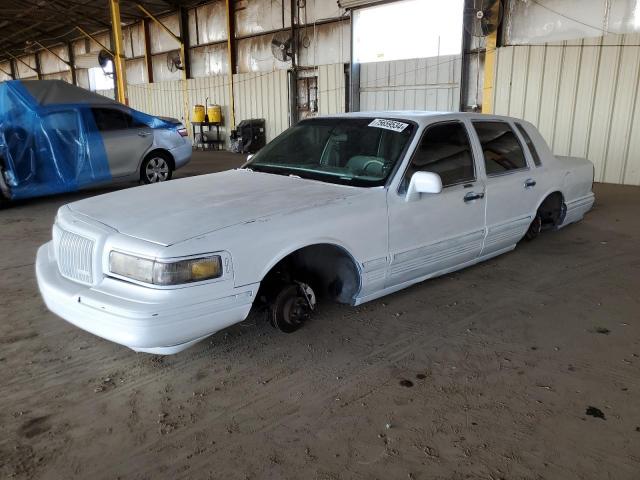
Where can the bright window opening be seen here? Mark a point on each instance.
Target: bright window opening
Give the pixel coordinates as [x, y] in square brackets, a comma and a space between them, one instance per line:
[407, 29]
[101, 79]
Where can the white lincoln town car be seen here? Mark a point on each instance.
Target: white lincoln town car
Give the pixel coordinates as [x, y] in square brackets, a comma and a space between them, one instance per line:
[347, 208]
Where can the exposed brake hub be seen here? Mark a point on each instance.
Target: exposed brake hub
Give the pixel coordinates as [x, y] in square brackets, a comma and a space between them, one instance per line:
[308, 294]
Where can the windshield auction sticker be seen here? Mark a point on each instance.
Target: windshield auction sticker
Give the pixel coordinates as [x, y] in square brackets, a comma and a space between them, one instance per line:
[389, 124]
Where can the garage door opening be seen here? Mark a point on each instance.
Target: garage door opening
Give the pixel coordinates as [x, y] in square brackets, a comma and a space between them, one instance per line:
[407, 29]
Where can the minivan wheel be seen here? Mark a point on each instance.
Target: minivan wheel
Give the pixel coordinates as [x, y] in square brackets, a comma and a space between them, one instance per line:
[292, 307]
[156, 168]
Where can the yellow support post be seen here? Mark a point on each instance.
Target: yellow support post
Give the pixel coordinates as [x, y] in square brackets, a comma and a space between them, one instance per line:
[231, 62]
[118, 56]
[490, 66]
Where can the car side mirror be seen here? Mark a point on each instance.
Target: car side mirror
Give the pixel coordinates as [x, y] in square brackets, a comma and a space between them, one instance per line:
[423, 182]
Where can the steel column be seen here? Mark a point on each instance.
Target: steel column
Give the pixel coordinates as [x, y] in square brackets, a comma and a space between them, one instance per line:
[489, 66]
[293, 77]
[147, 50]
[231, 58]
[185, 53]
[38, 68]
[72, 63]
[118, 57]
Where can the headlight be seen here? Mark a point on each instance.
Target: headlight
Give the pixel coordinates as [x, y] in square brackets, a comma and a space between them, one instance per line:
[165, 273]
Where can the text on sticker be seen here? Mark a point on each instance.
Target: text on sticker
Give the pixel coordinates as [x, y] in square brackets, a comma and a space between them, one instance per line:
[389, 124]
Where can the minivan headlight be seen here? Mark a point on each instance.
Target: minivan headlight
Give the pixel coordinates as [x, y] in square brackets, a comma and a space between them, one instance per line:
[157, 272]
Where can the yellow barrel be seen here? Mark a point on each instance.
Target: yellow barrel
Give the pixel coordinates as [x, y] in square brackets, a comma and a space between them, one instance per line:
[215, 113]
[198, 113]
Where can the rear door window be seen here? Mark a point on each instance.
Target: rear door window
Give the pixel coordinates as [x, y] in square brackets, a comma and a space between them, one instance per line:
[500, 146]
[108, 119]
[530, 145]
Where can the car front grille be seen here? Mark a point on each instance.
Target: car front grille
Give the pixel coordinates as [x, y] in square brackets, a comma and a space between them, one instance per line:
[75, 257]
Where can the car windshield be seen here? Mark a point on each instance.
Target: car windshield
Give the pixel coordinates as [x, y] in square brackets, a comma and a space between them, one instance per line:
[351, 151]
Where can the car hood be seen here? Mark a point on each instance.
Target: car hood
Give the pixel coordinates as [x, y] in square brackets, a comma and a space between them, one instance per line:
[171, 212]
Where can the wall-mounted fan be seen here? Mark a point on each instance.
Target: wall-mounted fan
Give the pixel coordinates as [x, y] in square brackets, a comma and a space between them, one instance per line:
[482, 17]
[104, 60]
[281, 46]
[174, 62]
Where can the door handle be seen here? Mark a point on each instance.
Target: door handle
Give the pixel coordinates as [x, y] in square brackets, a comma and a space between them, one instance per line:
[469, 197]
[530, 182]
[143, 134]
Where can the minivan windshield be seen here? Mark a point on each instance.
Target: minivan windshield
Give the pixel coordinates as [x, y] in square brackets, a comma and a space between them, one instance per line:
[351, 151]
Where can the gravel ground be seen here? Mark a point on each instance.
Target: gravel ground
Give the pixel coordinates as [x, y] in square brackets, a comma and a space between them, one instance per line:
[524, 367]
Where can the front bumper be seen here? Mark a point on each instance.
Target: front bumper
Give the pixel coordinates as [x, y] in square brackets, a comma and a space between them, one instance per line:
[160, 321]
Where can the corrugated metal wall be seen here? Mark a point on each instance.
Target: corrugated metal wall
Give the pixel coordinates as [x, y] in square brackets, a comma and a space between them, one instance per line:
[168, 98]
[331, 89]
[256, 96]
[583, 97]
[421, 84]
[160, 98]
[263, 95]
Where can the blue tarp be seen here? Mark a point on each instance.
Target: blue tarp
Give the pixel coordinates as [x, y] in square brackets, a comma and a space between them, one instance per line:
[49, 142]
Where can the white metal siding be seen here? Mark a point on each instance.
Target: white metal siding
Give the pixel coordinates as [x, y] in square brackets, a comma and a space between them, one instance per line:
[160, 98]
[168, 98]
[331, 89]
[262, 95]
[417, 84]
[582, 96]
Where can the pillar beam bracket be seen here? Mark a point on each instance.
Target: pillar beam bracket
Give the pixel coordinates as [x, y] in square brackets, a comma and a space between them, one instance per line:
[52, 53]
[26, 64]
[91, 37]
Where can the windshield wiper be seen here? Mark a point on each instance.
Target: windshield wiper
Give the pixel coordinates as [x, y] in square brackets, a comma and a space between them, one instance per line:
[274, 170]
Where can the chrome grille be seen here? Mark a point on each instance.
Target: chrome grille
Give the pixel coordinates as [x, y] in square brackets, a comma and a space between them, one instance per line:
[75, 257]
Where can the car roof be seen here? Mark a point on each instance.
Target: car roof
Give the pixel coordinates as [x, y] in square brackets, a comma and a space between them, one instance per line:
[422, 117]
[59, 92]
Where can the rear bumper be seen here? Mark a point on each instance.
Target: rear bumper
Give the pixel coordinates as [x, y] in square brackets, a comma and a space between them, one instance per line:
[577, 208]
[182, 154]
[164, 327]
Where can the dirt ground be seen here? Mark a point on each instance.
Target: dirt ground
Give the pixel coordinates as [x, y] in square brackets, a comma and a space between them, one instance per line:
[524, 367]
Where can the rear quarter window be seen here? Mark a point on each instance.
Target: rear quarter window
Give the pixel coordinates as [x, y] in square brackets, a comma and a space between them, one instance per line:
[530, 145]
